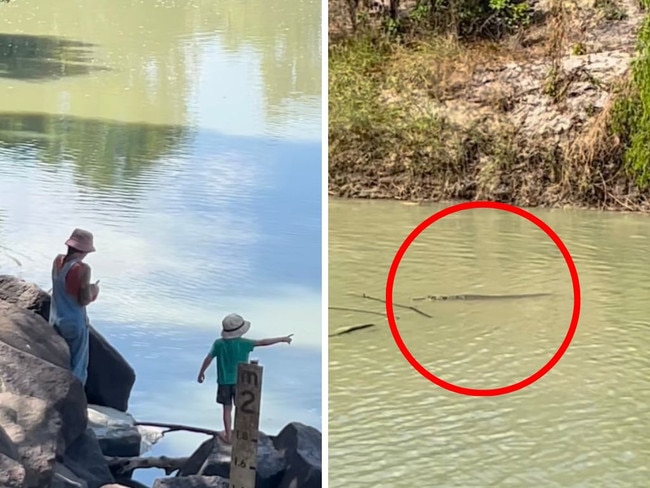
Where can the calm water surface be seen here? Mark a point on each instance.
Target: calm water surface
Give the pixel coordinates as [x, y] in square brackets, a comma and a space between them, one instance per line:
[584, 424]
[186, 136]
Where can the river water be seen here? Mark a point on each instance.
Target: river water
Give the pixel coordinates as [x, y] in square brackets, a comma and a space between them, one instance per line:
[583, 424]
[187, 137]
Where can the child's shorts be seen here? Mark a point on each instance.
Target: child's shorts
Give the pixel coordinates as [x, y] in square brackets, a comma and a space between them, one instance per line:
[226, 394]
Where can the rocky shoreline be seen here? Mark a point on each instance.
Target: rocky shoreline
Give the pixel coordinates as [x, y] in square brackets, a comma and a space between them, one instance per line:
[53, 434]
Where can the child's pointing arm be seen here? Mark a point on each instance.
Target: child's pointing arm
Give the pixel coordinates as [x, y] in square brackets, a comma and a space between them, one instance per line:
[276, 340]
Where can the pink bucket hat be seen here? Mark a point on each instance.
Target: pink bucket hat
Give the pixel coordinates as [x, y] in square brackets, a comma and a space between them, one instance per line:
[81, 240]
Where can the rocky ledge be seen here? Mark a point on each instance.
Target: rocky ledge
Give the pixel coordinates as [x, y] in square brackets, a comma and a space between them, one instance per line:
[55, 434]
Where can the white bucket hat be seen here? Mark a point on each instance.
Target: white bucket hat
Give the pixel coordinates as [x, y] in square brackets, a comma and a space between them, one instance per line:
[234, 326]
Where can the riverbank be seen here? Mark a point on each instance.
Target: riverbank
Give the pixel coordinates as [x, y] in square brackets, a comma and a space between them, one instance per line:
[550, 114]
[54, 433]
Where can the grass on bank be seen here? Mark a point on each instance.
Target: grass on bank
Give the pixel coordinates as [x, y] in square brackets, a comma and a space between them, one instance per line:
[384, 129]
[389, 139]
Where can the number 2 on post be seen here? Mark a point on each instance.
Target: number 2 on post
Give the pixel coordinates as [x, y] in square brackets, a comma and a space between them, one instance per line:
[245, 404]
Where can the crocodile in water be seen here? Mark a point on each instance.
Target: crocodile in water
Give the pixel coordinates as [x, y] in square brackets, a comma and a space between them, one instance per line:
[479, 297]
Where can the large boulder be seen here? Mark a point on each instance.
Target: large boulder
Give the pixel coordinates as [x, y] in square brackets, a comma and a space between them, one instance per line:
[212, 458]
[30, 333]
[110, 377]
[25, 295]
[34, 362]
[85, 459]
[36, 430]
[42, 406]
[193, 482]
[301, 446]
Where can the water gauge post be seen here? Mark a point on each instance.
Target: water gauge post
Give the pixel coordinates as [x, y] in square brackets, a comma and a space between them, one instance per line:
[247, 419]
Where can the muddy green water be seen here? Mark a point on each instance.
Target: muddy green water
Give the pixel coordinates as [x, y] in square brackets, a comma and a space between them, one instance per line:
[187, 136]
[584, 424]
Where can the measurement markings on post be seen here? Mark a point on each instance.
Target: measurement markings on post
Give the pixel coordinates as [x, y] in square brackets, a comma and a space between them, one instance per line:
[248, 395]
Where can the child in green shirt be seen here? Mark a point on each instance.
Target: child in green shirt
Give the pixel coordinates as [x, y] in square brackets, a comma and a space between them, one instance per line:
[231, 350]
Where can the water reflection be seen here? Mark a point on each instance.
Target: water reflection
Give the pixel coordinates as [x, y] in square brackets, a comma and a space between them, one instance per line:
[27, 57]
[157, 59]
[288, 38]
[104, 154]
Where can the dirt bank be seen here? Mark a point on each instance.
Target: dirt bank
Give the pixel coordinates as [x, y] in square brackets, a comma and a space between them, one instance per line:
[552, 115]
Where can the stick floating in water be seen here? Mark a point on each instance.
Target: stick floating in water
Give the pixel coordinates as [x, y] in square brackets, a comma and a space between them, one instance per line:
[407, 307]
[345, 309]
[352, 328]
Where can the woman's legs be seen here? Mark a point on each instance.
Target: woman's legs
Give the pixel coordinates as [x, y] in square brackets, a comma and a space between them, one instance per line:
[78, 339]
[80, 358]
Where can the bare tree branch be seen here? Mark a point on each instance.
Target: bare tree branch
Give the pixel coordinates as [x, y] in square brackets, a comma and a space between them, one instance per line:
[124, 466]
[177, 427]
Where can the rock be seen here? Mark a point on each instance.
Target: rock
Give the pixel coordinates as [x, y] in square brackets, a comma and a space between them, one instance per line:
[212, 458]
[31, 334]
[86, 460]
[217, 462]
[64, 478]
[42, 406]
[150, 436]
[302, 446]
[192, 482]
[195, 462]
[25, 295]
[43, 410]
[270, 463]
[36, 430]
[12, 473]
[110, 377]
[115, 431]
[24, 374]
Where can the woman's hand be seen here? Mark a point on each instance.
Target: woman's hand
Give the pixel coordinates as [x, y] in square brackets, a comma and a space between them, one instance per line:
[94, 291]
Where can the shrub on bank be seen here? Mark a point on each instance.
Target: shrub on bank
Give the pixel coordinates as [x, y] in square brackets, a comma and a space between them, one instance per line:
[631, 115]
